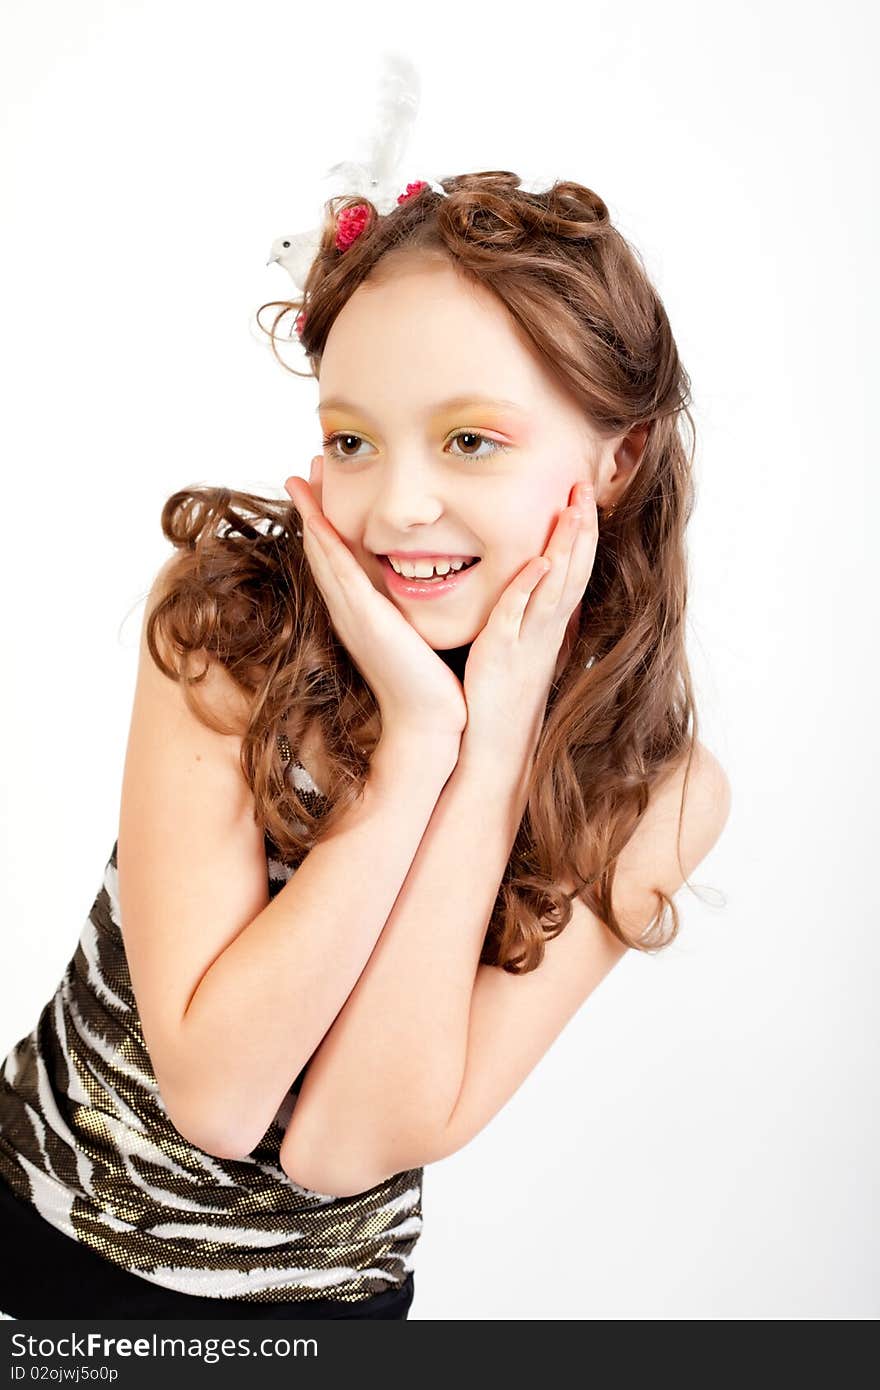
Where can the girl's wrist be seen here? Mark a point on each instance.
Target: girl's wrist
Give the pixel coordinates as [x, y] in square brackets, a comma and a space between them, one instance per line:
[501, 760]
[501, 774]
[427, 752]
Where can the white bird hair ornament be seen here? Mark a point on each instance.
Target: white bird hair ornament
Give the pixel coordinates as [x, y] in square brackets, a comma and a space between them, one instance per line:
[378, 176]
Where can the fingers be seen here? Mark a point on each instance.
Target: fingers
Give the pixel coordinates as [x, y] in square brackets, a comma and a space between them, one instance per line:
[572, 552]
[551, 584]
[568, 549]
[511, 606]
[307, 503]
[300, 493]
[525, 584]
[582, 555]
[316, 539]
[335, 568]
[306, 497]
[560, 549]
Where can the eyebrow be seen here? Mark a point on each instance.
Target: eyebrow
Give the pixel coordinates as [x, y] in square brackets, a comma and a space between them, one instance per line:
[438, 408]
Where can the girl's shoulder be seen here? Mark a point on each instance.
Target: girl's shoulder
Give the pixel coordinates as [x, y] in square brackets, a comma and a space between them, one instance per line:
[217, 692]
[685, 816]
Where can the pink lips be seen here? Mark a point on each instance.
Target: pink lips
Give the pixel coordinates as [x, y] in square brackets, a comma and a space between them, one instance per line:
[408, 588]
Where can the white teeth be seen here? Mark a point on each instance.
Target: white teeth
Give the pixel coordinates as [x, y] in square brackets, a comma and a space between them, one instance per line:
[422, 569]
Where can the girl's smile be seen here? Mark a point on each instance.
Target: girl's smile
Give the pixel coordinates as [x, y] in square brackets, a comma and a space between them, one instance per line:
[439, 586]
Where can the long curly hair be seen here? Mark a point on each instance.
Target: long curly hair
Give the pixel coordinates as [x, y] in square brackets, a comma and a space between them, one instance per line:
[621, 714]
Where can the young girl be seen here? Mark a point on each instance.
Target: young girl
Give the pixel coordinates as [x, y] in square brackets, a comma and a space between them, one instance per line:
[412, 763]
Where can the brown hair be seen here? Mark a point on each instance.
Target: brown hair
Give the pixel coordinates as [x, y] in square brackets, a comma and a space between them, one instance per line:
[621, 714]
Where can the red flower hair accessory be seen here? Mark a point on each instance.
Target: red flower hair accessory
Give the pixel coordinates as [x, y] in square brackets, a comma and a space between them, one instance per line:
[349, 225]
[353, 219]
[299, 323]
[412, 189]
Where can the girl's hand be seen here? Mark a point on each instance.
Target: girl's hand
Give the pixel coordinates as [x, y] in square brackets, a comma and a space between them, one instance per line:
[512, 661]
[416, 691]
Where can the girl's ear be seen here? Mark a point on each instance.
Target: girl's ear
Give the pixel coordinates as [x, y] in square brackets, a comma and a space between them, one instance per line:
[627, 457]
[633, 446]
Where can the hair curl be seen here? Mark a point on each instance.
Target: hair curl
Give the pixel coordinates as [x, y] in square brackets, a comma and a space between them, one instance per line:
[621, 715]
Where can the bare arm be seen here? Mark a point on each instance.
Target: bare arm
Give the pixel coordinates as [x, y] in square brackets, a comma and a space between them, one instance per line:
[431, 1044]
[235, 991]
[389, 1070]
[264, 1005]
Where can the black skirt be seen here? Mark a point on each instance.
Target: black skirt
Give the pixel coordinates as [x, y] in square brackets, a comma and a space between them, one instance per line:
[47, 1274]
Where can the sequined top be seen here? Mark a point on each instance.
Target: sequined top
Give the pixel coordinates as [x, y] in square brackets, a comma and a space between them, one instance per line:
[86, 1139]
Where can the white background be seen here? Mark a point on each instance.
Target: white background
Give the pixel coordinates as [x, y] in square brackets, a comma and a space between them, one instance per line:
[701, 1142]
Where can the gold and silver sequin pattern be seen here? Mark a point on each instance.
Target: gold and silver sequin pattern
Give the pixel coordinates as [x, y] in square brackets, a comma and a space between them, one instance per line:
[86, 1139]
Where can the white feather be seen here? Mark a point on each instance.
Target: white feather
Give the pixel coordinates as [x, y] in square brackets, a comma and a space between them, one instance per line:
[379, 175]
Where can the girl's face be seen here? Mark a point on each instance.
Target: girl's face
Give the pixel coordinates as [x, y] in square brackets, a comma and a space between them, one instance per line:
[450, 438]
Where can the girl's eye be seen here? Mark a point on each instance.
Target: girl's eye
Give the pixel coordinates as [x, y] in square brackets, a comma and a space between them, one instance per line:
[344, 435]
[495, 444]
